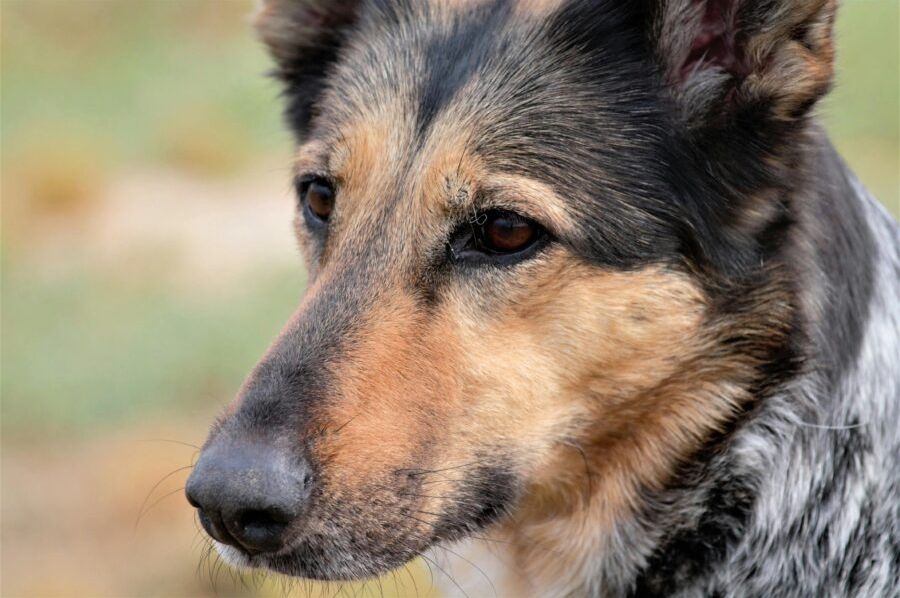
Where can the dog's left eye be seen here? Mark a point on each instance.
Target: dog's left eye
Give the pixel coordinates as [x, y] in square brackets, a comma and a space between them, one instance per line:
[499, 236]
[316, 195]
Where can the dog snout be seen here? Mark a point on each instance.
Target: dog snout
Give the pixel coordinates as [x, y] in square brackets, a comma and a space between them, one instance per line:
[248, 496]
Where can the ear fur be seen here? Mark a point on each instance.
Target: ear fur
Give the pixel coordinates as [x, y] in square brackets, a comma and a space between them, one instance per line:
[744, 76]
[724, 57]
[304, 38]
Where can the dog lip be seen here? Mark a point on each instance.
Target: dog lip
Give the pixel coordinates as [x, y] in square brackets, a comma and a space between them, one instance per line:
[239, 558]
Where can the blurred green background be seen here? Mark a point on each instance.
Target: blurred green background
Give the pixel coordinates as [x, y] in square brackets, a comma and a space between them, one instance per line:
[147, 261]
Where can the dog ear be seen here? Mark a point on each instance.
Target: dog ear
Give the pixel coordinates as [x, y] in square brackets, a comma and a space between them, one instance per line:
[304, 38]
[741, 77]
[732, 59]
[744, 76]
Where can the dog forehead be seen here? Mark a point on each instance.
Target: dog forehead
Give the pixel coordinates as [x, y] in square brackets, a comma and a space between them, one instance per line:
[525, 7]
[508, 78]
[465, 54]
[411, 106]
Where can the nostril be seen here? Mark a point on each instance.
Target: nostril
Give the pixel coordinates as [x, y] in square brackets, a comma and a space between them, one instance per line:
[214, 526]
[264, 517]
[262, 530]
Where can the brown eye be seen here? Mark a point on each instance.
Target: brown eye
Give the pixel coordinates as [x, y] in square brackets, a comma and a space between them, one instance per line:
[317, 195]
[496, 238]
[507, 232]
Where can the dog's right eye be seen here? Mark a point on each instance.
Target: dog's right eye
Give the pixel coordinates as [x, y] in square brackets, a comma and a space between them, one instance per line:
[498, 237]
[507, 232]
[316, 196]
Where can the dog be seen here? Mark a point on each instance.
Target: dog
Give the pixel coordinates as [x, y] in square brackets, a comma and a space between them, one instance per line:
[589, 290]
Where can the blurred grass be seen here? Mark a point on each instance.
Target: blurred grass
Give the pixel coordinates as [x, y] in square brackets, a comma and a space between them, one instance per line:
[145, 80]
[91, 89]
[862, 113]
[86, 349]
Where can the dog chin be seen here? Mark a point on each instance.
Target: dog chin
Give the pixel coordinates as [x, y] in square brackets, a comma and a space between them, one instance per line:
[287, 563]
[233, 557]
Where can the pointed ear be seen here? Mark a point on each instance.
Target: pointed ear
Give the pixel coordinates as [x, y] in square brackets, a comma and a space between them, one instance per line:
[744, 76]
[771, 59]
[304, 37]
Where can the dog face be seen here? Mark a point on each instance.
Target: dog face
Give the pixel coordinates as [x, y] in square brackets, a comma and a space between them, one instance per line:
[518, 220]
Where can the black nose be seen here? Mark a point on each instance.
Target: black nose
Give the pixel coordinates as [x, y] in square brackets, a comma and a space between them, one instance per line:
[248, 495]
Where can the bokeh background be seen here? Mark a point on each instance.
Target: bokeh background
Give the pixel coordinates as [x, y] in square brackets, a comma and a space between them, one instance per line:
[147, 261]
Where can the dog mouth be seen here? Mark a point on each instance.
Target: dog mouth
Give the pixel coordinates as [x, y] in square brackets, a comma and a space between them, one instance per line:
[330, 558]
[358, 541]
[267, 508]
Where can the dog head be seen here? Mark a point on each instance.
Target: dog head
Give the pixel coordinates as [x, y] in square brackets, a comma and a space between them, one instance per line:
[542, 243]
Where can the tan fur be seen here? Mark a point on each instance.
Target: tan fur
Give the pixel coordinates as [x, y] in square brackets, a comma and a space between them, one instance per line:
[537, 7]
[794, 71]
[529, 378]
[627, 334]
[387, 433]
[633, 443]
